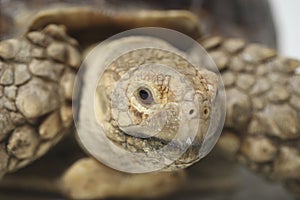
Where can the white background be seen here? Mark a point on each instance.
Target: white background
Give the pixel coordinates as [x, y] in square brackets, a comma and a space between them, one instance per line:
[287, 21]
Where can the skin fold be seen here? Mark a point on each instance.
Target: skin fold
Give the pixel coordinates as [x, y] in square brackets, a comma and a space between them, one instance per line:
[262, 129]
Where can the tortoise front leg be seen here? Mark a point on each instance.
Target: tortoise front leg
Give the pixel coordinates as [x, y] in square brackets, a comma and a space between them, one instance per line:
[37, 74]
[262, 127]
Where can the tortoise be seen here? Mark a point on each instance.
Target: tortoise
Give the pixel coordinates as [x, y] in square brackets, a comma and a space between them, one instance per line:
[38, 72]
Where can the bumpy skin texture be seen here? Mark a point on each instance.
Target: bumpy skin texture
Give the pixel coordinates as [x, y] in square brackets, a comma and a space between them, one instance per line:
[37, 73]
[262, 127]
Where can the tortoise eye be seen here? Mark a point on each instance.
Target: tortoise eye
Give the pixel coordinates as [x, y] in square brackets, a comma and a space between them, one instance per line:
[145, 96]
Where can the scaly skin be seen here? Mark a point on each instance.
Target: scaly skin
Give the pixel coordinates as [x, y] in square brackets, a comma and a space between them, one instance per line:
[262, 124]
[37, 74]
[262, 127]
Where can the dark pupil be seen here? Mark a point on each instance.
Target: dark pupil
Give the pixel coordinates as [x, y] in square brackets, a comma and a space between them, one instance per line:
[144, 94]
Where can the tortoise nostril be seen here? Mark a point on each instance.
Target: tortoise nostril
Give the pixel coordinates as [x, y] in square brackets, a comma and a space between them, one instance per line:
[191, 112]
[205, 111]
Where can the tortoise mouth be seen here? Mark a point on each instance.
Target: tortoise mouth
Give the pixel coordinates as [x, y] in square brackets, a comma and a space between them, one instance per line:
[186, 156]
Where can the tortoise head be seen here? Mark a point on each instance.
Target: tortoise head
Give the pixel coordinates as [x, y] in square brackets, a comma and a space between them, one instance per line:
[144, 104]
